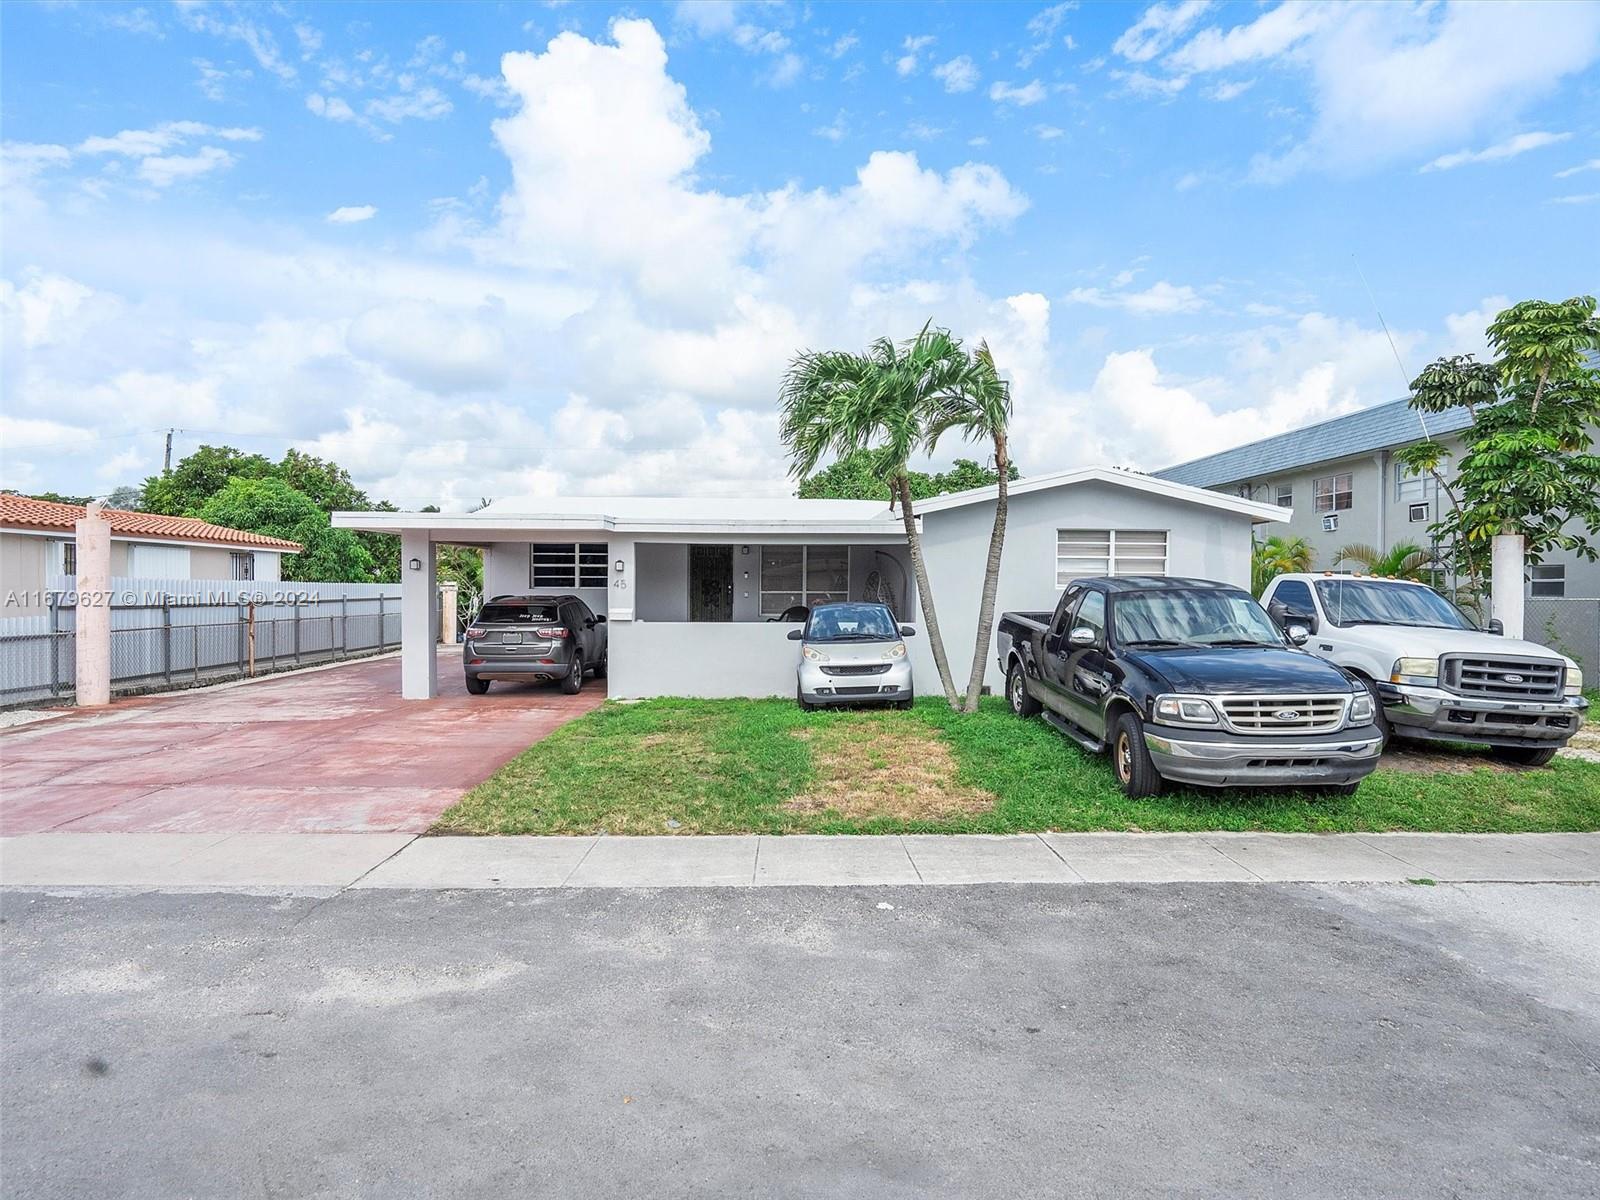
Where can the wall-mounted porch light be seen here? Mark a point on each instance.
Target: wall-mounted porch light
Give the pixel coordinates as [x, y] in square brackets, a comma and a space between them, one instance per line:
[619, 566]
[415, 564]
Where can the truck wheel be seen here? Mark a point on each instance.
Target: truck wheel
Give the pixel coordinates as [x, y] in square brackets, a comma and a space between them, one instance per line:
[1022, 704]
[573, 683]
[1524, 756]
[1131, 759]
[1340, 789]
[1379, 717]
[477, 686]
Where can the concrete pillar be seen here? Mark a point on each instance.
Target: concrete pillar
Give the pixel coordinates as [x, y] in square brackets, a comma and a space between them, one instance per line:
[1505, 586]
[93, 638]
[419, 622]
[624, 583]
[448, 612]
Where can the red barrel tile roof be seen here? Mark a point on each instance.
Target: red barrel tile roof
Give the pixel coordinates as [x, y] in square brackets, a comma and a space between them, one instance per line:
[24, 512]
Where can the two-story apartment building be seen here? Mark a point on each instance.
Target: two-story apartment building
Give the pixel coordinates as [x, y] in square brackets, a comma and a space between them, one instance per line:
[1346, 485]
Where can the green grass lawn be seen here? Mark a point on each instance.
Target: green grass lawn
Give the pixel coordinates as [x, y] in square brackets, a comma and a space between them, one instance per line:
[764, 766]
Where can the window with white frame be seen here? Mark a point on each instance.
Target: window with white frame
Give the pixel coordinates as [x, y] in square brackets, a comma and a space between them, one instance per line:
[1548, 579]
[1333, 493]
[1081, 553]
[1284, 495]
[569, 565]
[1409, 484]
[1417, 512]
[244, 564]
[808, 575]
[64, 557]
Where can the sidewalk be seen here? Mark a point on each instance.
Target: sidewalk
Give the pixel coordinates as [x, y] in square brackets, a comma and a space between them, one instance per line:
[331, 862]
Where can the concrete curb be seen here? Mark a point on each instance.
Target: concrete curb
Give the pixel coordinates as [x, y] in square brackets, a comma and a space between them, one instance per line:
[320, 864]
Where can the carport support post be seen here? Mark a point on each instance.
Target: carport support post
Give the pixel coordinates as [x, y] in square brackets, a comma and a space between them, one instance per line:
[419, 590]
[93, 635]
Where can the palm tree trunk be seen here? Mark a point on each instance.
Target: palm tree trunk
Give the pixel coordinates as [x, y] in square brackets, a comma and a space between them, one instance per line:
[924, 589]
[991, 579]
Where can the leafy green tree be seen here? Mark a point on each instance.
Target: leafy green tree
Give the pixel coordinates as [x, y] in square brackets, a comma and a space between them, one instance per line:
[1278, 555]
[326, 483]
[1528, 468]
[859, 476]
[270, 506]
[1404, 560]
[978, 405]
[836, 402]
[184, 490]
[58, 498]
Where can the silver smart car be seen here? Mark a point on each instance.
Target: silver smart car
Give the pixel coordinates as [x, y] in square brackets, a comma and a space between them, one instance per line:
[853, 654]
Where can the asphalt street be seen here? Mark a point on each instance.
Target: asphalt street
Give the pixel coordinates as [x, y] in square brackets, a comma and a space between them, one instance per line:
[1190, 1040]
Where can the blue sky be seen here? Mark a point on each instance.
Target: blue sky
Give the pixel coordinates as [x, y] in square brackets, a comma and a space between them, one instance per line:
[493, 249]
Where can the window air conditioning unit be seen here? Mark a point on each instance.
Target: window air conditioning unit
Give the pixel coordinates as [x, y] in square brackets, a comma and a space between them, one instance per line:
[1330, 523]
[1419, 512]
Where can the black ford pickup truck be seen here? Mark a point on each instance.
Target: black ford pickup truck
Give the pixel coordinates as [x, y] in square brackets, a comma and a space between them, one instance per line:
[1189, 681]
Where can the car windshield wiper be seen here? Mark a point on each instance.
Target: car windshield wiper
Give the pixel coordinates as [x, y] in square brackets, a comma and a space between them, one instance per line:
[1239, 642]
[1156, 642]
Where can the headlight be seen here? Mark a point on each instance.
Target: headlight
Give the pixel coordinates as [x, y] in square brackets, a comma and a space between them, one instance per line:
[1360, 709]
[1574, 681]
[898, 650]
[1423, 671]
[1186, 710]
[813, 654]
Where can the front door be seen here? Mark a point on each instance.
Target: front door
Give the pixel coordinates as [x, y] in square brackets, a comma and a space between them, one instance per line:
[710, 583]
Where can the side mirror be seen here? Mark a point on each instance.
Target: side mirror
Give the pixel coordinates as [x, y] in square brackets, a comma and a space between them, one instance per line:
[795, 635]
[1081, 636]
[1298, 635]
[907, 631]
[1283, 616]
[598, 620]
[1497, 626]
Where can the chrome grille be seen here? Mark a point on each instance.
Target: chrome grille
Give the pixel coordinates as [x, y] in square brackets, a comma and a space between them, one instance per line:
[857, 669]
[1507, 678]
[1284, 714]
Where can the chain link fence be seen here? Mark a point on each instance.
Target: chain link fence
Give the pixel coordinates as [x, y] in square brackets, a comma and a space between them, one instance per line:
[1569, 625]
[182, 633]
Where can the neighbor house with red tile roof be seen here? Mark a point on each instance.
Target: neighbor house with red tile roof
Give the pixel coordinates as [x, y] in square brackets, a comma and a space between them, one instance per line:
[36, 546]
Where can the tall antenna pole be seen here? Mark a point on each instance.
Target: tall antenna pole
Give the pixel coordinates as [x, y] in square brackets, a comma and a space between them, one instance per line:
[1405, 375]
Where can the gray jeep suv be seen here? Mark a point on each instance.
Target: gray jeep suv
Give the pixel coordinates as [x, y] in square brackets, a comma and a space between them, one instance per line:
[534, 639]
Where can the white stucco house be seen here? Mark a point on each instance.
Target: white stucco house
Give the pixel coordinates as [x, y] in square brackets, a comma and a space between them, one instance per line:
[691, 587]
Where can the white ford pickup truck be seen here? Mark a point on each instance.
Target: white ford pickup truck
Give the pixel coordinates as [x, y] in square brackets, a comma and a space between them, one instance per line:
[1436, 675]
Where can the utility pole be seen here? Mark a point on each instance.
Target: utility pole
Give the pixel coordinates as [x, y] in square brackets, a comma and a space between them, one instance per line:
[166, 463]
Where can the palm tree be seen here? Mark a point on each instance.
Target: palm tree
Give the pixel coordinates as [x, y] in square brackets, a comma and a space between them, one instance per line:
[979, 405]
[836, 402]
[1404, 560]
[1278, 556]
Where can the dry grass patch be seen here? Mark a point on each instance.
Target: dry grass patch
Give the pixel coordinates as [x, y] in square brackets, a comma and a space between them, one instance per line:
[896, 769]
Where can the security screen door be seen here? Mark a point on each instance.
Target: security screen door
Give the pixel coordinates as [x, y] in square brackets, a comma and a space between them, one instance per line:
[710, 583]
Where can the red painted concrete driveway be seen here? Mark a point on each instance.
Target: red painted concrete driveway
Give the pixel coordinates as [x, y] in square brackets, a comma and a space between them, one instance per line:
[324, 751]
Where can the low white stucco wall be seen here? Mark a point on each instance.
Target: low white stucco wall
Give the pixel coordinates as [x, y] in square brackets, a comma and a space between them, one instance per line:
[717, 660]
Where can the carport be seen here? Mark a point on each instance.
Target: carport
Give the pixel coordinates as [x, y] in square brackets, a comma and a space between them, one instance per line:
[692, 589]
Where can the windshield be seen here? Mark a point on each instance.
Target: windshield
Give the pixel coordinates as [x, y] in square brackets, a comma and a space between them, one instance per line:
[1371, 602]
[851, 623]
[1192, 618]
[516, 614]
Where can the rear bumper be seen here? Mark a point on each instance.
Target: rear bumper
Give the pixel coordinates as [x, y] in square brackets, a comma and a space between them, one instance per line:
[543, 668]
[1215, 759]
[1433, 714]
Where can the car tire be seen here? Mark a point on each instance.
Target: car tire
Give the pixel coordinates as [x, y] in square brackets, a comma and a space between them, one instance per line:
[1379, 717]
[572, 682]
[601, 667]
[1341, 789]
[1130, 759]
[800, 699]
[1524, 756]
[905, 704]
[1022, 704]
[477, 687]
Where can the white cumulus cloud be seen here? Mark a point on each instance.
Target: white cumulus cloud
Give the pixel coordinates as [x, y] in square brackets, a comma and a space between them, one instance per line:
[350, 214]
